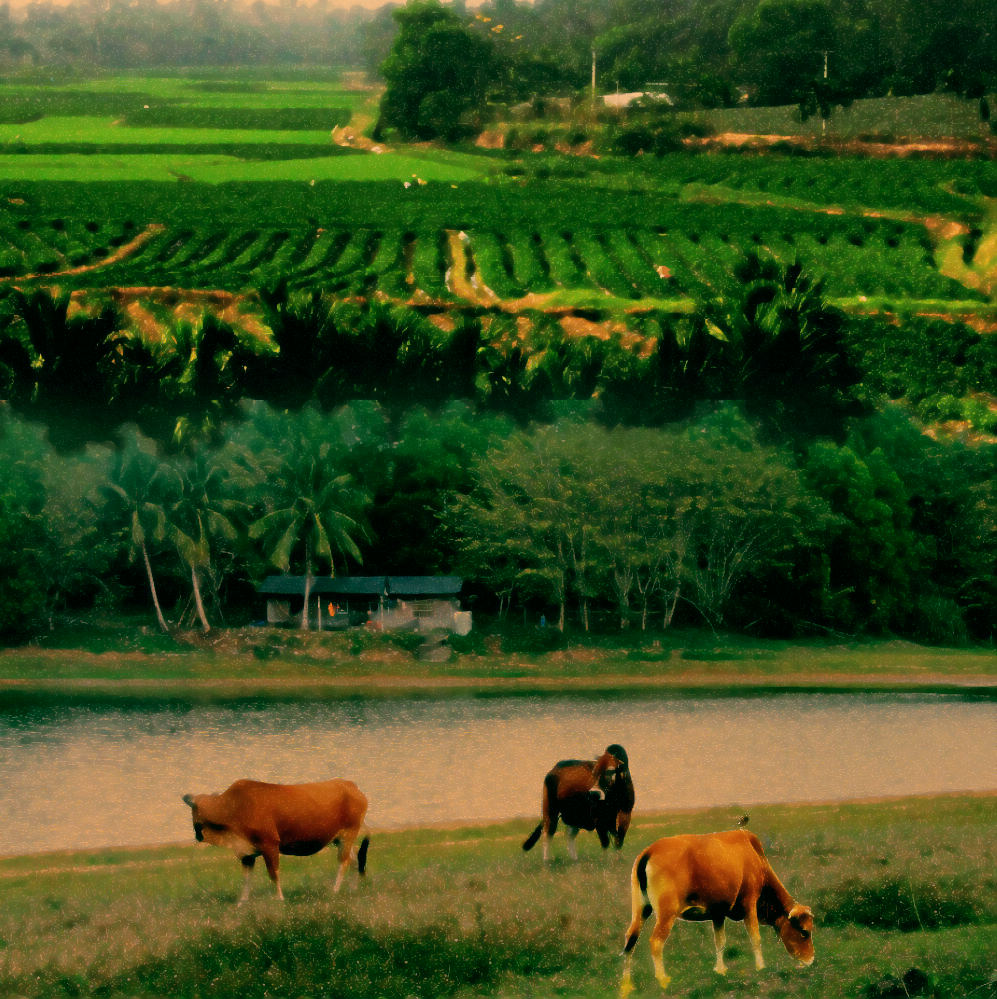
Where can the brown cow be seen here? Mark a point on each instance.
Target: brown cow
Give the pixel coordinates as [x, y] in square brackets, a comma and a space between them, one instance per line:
[587, 794]
[256, 819]
[716, 876]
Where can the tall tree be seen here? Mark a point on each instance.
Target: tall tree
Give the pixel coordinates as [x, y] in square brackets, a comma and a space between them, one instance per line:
[436, 74]
[307, 510]
[139, 493]
[200, 518]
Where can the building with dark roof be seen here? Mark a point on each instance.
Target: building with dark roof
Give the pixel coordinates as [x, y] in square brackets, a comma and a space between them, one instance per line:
[417, 603]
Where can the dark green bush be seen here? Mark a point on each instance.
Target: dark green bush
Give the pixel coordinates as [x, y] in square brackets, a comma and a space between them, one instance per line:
[907, 905]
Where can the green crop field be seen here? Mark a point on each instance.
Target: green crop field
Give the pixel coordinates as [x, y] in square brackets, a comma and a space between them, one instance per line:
[231, 182]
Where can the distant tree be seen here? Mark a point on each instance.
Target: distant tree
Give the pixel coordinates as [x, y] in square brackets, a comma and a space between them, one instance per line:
[437, 74]
[779, 47]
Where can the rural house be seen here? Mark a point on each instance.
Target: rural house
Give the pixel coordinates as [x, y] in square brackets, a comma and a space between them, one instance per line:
[415, 603]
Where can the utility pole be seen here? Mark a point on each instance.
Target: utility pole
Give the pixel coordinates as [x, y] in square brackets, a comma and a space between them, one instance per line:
[593, 81]
[823, 120]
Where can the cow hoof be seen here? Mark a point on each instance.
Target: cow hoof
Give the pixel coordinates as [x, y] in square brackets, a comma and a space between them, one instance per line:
[664, 981]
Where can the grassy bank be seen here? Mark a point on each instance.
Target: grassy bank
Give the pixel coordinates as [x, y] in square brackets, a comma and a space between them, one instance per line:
[129, 660]
[904, 893]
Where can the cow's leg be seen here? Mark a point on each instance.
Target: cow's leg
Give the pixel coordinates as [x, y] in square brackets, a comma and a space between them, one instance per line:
[754, 935]
[248, 863]
[271, 857]
[550, 827]
[633, 932]
[345, 844]
[658, 937]
[572, 832]
[720, 941]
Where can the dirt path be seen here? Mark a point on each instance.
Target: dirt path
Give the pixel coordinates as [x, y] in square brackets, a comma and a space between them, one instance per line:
[461, 279]
[121, 253]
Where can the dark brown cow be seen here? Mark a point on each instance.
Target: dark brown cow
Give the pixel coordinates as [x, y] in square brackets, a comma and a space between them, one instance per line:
[716, 876]
[587, 794]
[255, 819]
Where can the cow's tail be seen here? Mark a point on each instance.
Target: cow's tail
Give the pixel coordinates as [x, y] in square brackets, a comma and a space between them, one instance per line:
[531, 840]
[641, 902]
[362, 854]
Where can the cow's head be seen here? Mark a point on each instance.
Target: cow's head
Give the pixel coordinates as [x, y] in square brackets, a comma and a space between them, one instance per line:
[613, 773]
[191, 800]
[613, 765]
[796, 930]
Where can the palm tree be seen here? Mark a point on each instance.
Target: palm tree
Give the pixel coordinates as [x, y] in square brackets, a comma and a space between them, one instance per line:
[139, 491]
[308, 510]
[200, 516]
[75, 363]
[783, 345]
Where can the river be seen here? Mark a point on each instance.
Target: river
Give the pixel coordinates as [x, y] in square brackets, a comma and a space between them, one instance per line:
[75, 778]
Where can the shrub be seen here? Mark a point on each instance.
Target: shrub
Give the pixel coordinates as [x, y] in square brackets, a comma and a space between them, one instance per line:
[906, 905]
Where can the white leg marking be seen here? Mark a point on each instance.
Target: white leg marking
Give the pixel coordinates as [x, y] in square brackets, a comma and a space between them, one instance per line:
[571, 833]
[720, 941]
[247, 871]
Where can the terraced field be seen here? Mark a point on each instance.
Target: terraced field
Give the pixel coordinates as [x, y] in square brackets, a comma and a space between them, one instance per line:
[222, 185]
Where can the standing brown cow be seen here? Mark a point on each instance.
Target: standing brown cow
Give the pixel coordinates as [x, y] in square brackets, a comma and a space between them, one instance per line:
[717, 876]
[587, 794]
[256, 819]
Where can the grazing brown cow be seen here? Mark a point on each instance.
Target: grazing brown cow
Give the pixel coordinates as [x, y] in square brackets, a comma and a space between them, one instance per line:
[716, 876]
[255, 819]
[587, 794]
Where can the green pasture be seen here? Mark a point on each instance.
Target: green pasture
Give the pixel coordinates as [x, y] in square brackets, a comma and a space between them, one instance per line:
[128, 661]
[203, 91]
[903, 893]
[75, 130]
[218, 168]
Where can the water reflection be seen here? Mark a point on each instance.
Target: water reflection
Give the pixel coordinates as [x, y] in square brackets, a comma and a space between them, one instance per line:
[92, 778]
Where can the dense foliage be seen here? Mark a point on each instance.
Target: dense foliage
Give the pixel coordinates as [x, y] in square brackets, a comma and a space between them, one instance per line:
[577, 477]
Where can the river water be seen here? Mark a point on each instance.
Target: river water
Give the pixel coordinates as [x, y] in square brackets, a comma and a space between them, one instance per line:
[76, 778]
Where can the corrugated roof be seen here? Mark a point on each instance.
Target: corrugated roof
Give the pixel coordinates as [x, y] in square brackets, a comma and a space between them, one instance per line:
[341, 586]
[363, 586]
[424, 586]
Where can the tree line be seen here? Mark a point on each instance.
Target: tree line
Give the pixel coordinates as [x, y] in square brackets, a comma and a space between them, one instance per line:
[707, 53]
[735, 472]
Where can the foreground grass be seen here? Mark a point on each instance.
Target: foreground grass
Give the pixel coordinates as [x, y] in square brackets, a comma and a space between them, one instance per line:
[905, 894]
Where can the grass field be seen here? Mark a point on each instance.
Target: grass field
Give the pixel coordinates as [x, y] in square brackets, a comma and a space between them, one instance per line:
[130, 662]
[903, 892]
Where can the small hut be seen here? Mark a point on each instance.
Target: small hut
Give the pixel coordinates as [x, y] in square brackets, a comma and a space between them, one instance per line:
[416, 603]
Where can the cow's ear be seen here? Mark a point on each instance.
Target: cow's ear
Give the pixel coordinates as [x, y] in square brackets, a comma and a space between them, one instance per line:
[189, 800]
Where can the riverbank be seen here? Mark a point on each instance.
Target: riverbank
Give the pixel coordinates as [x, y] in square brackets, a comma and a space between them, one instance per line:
[904, 891]
[257, 663]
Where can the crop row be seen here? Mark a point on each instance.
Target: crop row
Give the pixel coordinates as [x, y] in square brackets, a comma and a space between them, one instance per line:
[628, 263]
[146, 110]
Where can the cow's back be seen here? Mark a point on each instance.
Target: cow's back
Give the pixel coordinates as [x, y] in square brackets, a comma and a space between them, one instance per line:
[712, 866]
[304, 817]
[570, 777]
